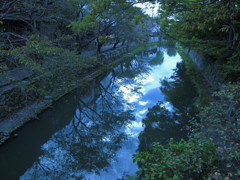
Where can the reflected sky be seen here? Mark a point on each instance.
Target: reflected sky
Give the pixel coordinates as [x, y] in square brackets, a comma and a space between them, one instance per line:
[170, 118]
[100, 135]
[147, 96]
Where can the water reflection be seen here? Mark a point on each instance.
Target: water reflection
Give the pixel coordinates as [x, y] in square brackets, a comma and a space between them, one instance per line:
[179, 90]
[171, 51]
[88, 144]
[164, 121]
[98, 132]
[90, 141]
[158, 59]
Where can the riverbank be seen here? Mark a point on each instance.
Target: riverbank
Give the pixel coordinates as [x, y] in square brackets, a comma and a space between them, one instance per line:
[212, 150]
[104, 61]
[219, 118]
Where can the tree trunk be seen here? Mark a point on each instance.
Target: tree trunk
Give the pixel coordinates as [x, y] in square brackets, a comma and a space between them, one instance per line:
[116, 43]
[99, 46]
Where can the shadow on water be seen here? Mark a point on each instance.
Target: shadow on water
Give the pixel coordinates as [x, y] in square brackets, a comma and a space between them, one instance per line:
[93, 135]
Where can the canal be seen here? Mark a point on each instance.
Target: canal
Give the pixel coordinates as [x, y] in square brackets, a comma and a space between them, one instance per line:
[92, 132]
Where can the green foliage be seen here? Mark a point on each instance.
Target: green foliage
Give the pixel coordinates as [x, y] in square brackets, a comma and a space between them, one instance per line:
[211, 27]
[104, 39]
[231, 69]
[117, 18]
[138, 18]
[35, 53]
[220, 121]
[191, 159]
[62, 78]
[87, 24]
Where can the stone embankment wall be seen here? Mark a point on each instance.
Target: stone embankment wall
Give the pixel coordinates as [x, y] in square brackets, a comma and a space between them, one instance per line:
[207, 67]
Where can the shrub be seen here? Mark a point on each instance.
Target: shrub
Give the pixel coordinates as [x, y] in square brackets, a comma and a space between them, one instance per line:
[191, 159]
[220, 121]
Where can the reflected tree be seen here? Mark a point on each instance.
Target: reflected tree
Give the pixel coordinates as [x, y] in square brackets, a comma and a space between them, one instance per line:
[129, 70]
[163, 122]
[90, 142]
[170, 49]
[141, 64]
[154, 54]
[160, 125]
[158, 59]
[180, 91]
[150, 50]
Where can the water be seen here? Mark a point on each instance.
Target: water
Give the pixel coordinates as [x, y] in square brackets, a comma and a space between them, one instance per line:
[93, 132]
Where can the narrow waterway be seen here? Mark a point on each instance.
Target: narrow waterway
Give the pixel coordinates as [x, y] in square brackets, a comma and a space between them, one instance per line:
[93, 132]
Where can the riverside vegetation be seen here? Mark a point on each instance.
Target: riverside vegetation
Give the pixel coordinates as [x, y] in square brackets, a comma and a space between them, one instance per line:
[48, 37]
[47, 47]
[212, 149]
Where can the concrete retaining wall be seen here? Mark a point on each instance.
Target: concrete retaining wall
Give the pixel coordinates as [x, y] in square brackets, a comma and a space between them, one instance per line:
[207, 67]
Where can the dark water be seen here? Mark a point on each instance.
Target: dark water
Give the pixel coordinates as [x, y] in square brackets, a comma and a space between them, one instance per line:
[93, 133]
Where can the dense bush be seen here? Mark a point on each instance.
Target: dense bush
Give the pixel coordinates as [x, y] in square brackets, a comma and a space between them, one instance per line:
[191, 159]
[220, 121]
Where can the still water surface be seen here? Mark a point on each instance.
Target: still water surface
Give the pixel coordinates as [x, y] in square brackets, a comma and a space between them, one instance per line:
[93, 133]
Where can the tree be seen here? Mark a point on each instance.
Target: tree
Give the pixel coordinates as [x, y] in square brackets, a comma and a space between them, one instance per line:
[107, 20]
[210, 26]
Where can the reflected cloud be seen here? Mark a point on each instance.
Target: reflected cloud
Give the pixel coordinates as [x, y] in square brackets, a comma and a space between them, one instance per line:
[143, 111]
[143, 103]
[133, 129]
[128, 93]
[147, 80]
[100, 139]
